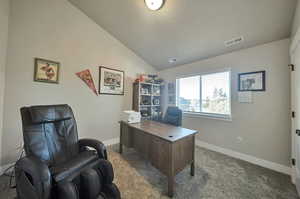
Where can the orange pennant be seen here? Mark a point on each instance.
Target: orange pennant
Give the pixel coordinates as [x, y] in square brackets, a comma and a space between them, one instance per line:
[86, 76]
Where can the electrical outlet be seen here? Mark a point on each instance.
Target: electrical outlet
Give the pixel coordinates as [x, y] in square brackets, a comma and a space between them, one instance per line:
[239, 139]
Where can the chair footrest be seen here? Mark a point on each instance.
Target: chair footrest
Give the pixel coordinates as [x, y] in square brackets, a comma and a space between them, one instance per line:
[94, 183]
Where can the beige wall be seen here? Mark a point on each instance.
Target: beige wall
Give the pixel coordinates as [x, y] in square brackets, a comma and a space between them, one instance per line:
[4, 15]
[296, 22]
[263, 125]
[58, 31]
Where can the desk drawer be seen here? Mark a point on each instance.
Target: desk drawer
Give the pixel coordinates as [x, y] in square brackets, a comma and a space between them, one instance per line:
[140, 142]
[160, 154]
[183, 153]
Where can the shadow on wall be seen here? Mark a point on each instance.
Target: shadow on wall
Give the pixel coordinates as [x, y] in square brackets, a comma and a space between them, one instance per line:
[14, 152]
[128, 93]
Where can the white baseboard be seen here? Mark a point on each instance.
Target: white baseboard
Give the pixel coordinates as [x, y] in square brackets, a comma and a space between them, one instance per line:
[293, 174]
[248, 158]
[111, 141]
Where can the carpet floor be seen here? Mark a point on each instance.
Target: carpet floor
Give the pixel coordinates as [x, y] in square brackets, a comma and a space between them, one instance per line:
[216, 177]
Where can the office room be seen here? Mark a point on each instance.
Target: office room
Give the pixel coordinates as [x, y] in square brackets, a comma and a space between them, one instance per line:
[149, 99]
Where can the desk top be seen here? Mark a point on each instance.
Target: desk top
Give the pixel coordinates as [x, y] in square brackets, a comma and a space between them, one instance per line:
[164, 131]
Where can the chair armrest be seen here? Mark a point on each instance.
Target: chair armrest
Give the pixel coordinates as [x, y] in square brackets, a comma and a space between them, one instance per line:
[33, 173]
[99, 146]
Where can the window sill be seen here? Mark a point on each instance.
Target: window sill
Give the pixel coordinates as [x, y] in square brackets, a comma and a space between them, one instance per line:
[227, 118]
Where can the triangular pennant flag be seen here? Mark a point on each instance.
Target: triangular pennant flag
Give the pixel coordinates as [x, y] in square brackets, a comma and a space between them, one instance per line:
[86, 76]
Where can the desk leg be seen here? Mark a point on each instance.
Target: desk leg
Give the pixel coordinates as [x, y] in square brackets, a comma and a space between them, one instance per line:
[193, 163]
[120, 145]
[170, 186]
[120, 148]
[193, 168]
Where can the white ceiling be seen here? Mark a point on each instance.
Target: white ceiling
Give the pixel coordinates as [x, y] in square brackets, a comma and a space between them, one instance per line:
[190, 30]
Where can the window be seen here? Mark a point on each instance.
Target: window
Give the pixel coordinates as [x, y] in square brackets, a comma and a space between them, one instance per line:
[207, 94]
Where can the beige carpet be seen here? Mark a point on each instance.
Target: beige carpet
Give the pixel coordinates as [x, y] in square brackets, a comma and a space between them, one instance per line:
[130, 182]
[216, 177]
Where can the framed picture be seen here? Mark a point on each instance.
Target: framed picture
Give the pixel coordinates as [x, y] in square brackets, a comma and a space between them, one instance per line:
[171, 99]
[253, 81]
[46, 71]
[111, 81]
[171, 88]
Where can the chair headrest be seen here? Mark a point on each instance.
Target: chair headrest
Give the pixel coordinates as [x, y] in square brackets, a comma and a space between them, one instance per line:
[50, 113]
[173, 110]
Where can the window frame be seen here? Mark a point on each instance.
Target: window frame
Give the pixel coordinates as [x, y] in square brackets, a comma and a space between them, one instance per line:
[226, 117]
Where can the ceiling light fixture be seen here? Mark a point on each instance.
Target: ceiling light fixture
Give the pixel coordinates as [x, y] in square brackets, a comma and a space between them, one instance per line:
[154, 4]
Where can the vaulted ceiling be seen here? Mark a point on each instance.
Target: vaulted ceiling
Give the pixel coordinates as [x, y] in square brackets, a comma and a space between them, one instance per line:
[190, 30]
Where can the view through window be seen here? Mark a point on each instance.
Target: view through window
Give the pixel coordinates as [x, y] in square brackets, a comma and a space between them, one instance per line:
[209, 94]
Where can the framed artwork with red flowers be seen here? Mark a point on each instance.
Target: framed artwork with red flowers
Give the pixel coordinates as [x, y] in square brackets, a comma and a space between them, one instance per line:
[46, 71]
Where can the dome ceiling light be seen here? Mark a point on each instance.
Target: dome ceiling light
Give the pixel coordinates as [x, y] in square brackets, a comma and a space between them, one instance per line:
[172, 60]
[154, 4]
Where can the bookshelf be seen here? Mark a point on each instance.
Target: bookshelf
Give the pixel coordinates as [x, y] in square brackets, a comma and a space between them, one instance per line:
[147, 100]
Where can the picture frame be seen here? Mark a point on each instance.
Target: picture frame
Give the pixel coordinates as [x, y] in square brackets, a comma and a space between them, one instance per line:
[252, 81]
[171, 93]
[172, 100]
[46, 71]
[111, 81]
[171, 88]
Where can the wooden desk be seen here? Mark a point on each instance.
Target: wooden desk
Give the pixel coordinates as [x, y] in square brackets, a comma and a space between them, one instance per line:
[168, 148]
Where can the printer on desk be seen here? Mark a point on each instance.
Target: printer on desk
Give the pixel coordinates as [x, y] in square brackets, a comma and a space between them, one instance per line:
[131, 116]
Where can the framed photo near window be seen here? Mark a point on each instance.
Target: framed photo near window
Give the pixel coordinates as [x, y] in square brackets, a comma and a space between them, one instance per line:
[172, 100]
[46, 71]
[111, 81]
[252, 81]
[171, 88]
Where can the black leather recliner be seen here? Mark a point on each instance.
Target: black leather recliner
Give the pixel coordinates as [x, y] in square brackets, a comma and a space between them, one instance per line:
[57, 165]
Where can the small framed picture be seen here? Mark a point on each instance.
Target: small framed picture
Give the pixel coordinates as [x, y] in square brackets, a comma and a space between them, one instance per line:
[171, 88]
[46, 71]
[171, 99]
[253, 81]
[111, 81]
